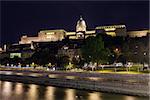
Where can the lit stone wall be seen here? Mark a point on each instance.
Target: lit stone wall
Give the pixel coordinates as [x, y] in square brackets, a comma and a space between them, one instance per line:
[51, 35]
[28, 40]
[44, 36]
[73, 35]
[70, 33]
[138, 33]
[60, 34]
[114, 30]
[90, 33]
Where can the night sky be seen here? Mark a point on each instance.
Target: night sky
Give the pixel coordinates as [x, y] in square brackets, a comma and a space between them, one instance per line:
[20, 18]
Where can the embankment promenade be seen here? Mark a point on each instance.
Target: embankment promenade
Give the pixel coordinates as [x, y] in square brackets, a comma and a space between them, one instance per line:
[129, 84]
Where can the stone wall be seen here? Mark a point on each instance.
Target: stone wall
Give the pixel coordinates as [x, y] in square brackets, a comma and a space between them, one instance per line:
[123, 84]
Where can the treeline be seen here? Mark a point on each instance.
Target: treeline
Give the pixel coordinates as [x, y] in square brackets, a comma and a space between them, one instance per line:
[102, 49]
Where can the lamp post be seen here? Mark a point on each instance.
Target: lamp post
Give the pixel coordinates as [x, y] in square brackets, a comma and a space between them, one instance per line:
[117, 52]
[144, 58]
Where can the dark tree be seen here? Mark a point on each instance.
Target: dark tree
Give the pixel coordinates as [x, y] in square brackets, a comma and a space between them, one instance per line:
[62, 61]
[94, 51]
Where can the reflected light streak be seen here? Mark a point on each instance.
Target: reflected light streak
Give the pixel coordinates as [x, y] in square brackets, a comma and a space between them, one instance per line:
[50, 93]
[6, 72]
[70, 77]
[94, 78]
[34, 74]
[19, 88]
[130, 98]
[0, 85]
[70, 94]
[32, 93]
[19, 73]
[52, 76]
[6, 91]
[94, 96]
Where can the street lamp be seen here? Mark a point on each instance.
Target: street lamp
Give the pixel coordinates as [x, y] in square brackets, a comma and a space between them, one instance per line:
[144, 53]
[116, 49]
[144, 58]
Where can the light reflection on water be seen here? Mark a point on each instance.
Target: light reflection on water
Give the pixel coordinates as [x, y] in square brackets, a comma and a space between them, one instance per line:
[6, 90]
[6, 72]
[70, 94]
[95, 96]
[20, 91]
[129, 98]
[32, 92]
[49, 95]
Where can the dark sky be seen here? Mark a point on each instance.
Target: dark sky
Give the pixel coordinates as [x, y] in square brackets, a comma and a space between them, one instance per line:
[19, 18]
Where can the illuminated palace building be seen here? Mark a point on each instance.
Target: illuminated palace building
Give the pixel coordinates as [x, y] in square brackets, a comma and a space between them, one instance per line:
[81, 33]
[65, 43]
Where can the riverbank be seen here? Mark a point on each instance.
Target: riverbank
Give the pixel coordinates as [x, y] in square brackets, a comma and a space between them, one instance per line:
[113, 83]
[133, 70]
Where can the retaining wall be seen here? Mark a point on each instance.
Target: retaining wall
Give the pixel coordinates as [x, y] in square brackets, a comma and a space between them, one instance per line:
[129, 88]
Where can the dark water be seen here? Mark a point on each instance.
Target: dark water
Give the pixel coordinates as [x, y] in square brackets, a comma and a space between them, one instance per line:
[20, 91]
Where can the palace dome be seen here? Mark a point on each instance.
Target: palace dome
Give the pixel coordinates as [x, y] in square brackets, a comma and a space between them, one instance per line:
[81, 25]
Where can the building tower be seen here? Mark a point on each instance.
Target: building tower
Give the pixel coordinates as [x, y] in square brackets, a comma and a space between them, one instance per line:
[80, 28]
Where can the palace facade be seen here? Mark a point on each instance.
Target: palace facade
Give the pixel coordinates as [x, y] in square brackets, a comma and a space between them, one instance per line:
[81, 33]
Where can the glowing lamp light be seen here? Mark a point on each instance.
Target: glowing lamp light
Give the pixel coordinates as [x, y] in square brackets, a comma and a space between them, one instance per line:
[116, 49]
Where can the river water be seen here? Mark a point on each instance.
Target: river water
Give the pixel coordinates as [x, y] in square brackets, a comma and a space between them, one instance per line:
[20, 91]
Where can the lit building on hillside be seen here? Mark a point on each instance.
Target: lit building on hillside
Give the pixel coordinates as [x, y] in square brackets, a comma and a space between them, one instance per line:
[81, 33]
[44, 36]
[114, 30]
[138, 33]
[80, 29]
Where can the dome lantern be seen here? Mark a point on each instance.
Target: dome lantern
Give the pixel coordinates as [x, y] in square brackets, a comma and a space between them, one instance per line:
[81, 25]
